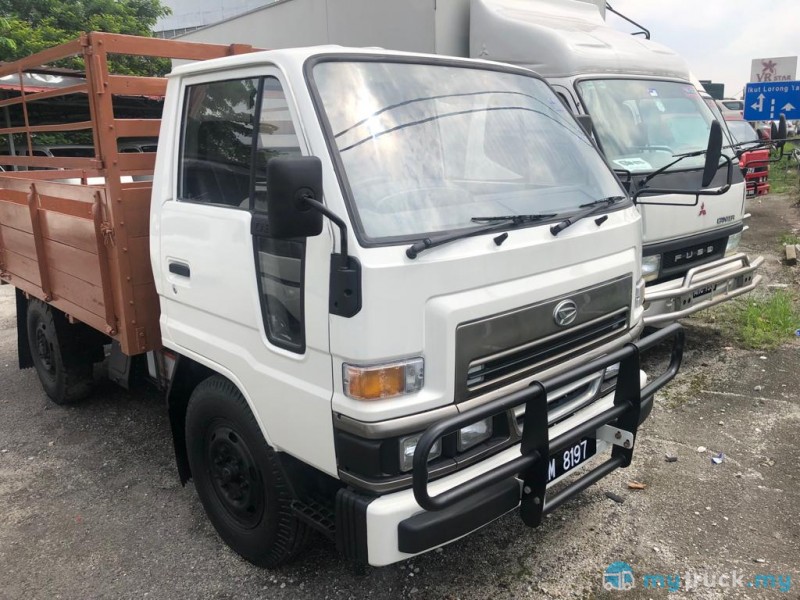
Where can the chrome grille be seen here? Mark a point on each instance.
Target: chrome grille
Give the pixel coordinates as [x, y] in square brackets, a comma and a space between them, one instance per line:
[508, 366]
[498, 350]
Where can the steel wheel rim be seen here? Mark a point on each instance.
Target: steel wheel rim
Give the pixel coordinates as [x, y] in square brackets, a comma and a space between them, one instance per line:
[44, 348]
[234, 476]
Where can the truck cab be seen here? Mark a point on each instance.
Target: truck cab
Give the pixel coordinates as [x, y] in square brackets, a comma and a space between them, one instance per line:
[437, 289]
[645, 112]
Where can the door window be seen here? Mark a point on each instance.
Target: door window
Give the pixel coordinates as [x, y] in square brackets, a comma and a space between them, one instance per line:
[217, 142]
[280, 263]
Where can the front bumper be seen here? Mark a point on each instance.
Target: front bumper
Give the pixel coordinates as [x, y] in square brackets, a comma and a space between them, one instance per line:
[702, 287]
[396, 526]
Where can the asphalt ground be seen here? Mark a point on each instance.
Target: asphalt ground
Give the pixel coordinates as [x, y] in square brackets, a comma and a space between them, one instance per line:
[91, 506]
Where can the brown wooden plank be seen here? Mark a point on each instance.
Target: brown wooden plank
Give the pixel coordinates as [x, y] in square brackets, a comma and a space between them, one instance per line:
[50, 174]
[76, 262]
[15, 215]
[42, 58]
[140, 46]
[18, 241]
[52, 162]
[137, 161]
[72, 231]
[59, 189]
[76, 126]
[127, 128]
[23, 267]
[136, 210]
[129, 85]
[80, 88]
[148, 312]
[14, 196]
[66, 206]
[76, 291]
[139, 253]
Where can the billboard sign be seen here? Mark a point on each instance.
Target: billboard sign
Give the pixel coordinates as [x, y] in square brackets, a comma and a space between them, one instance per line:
[765, 70]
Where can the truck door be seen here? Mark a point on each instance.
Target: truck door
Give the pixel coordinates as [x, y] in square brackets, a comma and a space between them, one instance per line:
[251, 308]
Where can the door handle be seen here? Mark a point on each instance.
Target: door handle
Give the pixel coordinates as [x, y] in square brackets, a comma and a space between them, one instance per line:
[181, 269]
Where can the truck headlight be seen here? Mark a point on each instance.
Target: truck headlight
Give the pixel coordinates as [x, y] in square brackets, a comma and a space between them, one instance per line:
[474, 434]
[650, 267]
[733, 243]
[408, 445]
[376, 382]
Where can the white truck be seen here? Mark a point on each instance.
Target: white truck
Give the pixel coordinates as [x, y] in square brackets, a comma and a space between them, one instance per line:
[645, 111]
[458, 336]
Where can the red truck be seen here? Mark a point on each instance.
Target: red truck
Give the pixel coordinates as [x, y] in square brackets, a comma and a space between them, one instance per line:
[754, 163]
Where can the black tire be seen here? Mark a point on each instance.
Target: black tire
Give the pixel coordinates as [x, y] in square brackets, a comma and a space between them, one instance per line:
[65, 376]
[238, 477]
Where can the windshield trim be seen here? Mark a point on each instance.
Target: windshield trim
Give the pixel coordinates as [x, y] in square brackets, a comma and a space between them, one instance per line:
[365, 240]
[632, 77]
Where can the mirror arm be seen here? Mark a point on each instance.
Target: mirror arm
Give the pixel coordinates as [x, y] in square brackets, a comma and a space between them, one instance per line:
[311, 202]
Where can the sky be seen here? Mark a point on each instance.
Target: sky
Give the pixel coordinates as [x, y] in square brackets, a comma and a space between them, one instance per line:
[718, 38]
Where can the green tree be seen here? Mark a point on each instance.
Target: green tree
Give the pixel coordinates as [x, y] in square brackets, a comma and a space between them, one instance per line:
[29, 26]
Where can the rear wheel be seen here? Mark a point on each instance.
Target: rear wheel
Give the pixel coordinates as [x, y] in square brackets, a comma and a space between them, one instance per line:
[238, 477]
[66, 377]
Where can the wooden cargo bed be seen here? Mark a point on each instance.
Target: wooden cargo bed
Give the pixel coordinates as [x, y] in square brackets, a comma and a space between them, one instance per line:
[76, 232]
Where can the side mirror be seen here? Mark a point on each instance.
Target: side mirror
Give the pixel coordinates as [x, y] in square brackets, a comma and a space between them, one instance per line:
[291, 182]
[586, 123]
[773, 131]
[713, 154]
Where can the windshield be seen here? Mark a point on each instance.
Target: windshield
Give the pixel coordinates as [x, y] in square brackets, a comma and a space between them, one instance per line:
[742, 131]
[426, 148]
[642, 124]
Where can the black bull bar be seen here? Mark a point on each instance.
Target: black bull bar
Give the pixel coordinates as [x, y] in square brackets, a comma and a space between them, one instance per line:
[630, 404]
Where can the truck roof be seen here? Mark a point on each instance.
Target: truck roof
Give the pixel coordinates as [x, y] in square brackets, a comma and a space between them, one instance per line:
[559, 38]
[297, 56]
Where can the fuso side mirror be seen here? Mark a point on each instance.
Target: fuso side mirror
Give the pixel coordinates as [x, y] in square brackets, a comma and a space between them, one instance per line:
[713, 154]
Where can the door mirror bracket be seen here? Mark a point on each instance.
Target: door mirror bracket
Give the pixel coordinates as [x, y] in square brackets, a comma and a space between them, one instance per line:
[294, 187]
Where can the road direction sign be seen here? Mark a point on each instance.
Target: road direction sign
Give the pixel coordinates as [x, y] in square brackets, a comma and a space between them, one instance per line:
[767, 101]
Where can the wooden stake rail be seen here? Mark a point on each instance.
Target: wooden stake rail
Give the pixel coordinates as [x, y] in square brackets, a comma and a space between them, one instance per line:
[76, 234]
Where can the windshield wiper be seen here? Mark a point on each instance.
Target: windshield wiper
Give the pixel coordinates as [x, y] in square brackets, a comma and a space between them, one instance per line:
[515, 219]
[496, 224]
[591, 209]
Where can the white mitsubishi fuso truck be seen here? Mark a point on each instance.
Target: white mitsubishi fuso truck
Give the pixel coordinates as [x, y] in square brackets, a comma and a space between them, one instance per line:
[398, 295]
[647, 116]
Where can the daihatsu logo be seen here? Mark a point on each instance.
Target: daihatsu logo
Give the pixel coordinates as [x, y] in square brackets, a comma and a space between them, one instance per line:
[565, 313]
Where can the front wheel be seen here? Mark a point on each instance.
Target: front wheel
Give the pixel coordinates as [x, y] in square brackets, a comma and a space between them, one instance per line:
[238, 477]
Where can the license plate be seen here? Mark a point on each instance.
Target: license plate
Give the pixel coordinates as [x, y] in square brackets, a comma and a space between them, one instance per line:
[702, 291]
[570, 458]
